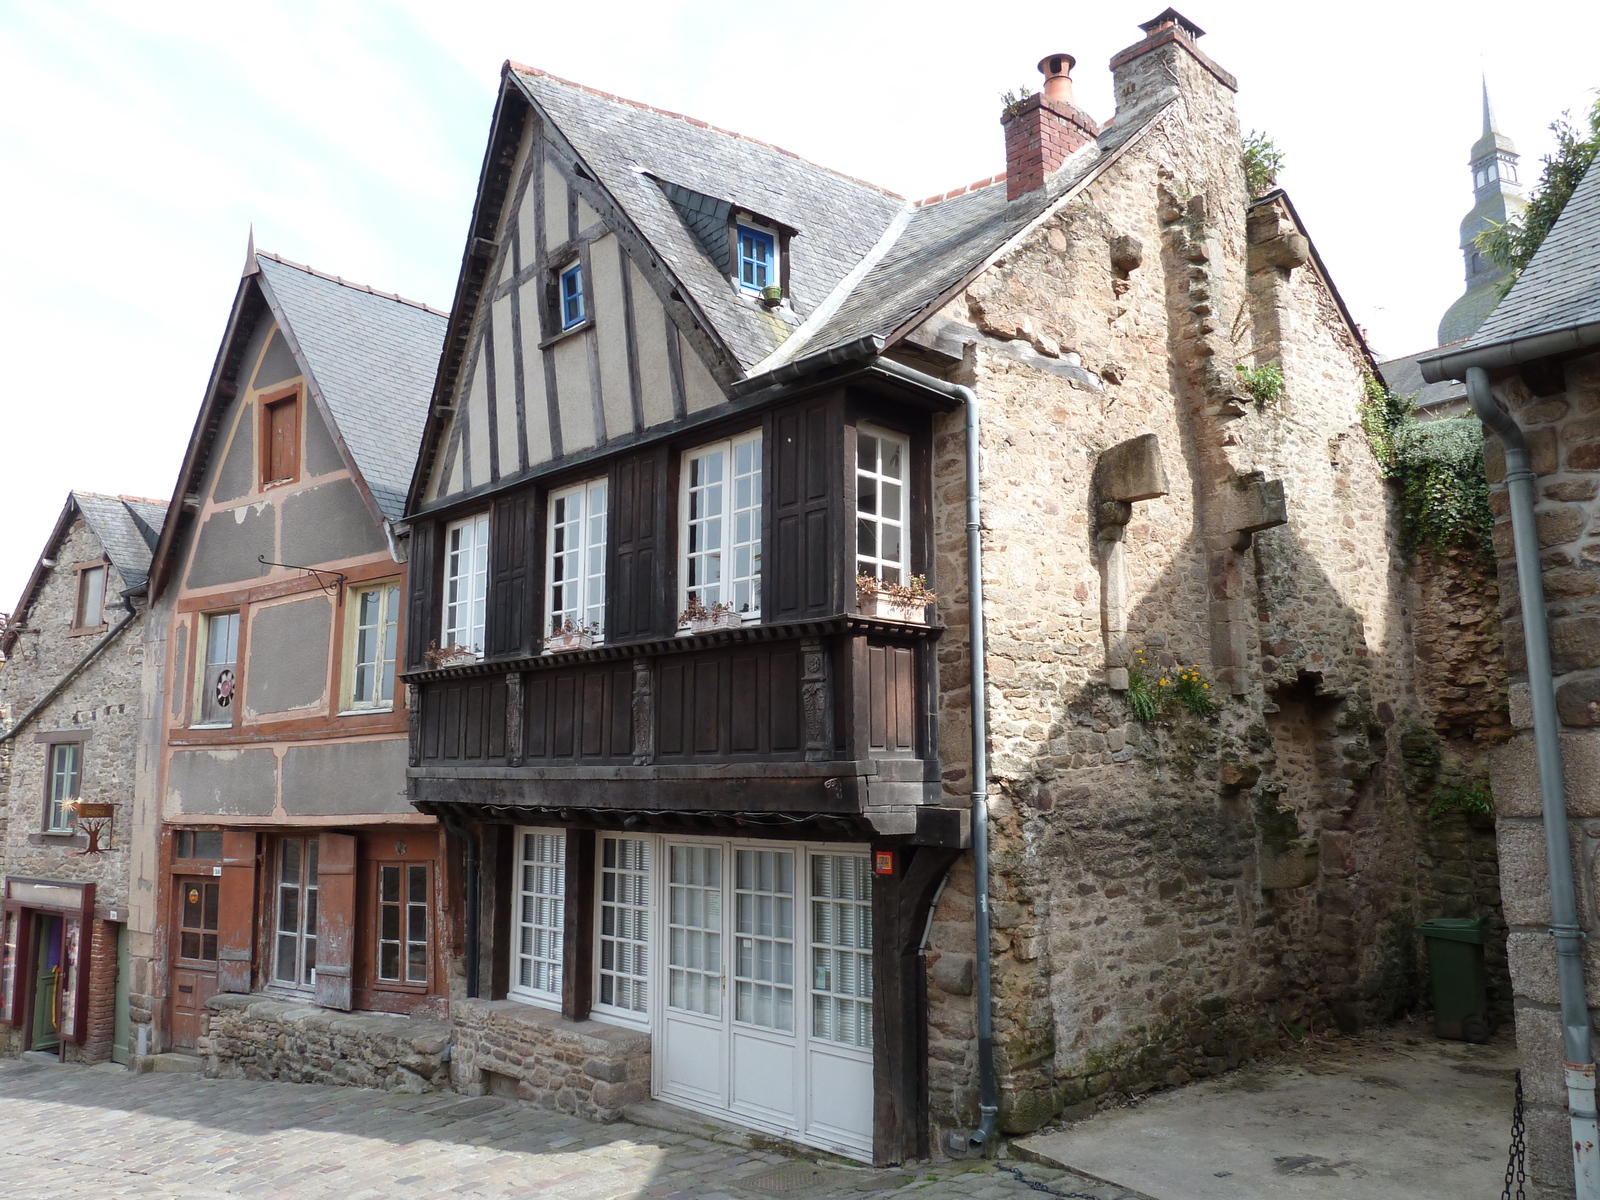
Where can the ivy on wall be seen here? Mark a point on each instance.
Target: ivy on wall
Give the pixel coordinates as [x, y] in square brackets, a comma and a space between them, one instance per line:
[1438, 465]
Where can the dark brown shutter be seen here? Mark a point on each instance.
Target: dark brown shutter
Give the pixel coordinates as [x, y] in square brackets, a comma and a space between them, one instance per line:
[639, 583]
[422, 624]
[336, 918]
[236, 905]
[510, 602]
[21, 924]
[803, 469]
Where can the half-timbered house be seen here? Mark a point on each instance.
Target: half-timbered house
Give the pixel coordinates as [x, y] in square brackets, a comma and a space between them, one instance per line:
[71, 666]
[289, 865]
[706, 416]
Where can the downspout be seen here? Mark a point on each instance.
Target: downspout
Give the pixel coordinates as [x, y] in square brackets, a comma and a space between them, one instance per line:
[988, 1104]
[455, 828]
[1575, 1028]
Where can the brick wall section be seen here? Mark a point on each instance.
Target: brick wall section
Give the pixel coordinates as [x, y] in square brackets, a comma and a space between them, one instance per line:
[1563, 431]
[98, 1031]
[257, 1037]
[1040, 135]
[1168, 897]
[584, 1067]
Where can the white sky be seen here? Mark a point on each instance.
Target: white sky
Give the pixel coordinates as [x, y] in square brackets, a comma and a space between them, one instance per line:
[138, 142]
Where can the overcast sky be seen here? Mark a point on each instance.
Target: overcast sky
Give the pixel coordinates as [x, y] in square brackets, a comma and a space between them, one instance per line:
[139, 142]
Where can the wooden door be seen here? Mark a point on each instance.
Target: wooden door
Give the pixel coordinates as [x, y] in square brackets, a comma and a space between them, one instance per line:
[47, 983]
[194, 964]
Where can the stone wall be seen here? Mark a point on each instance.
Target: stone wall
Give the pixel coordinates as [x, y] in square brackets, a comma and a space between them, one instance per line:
[587, 1068]
[257, 1037]
[1172, 896]
[1563, 431]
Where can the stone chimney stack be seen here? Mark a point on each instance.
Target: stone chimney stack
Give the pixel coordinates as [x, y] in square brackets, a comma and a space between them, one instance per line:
[1043, 129]
[1166, 61]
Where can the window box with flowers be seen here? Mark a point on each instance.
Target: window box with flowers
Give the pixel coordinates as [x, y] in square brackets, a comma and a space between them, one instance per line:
[572, 635]
[905, 602]
[702, 618]
[448, 656]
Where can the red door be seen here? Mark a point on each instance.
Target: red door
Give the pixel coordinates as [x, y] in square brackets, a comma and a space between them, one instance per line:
[194, 963]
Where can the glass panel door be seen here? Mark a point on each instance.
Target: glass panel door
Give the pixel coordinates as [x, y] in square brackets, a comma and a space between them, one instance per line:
[841, 949]
[694, 929]
[763, 970]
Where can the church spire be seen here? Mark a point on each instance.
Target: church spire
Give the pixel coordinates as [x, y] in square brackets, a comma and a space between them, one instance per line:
[1497, 197]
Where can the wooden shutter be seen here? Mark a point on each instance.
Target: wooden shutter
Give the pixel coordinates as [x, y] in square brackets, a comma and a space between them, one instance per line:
[336, 918]
[510, 607]
[281, 452]
[236, 911]
[422, 623]
[639, 581]
[803, 473]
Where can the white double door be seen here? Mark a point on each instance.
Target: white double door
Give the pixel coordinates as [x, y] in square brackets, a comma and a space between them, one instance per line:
[766, 1016]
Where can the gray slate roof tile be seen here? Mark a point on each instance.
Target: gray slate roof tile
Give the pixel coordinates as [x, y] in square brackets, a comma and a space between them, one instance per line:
[373, 359]
[127, 530]
[1403, 377]
[1561, 286]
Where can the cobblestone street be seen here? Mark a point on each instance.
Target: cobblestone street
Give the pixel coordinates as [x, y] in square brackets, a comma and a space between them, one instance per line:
[102, 1132]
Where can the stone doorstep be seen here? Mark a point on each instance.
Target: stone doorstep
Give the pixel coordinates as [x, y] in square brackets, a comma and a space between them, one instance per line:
[1018, 1148]
[170, 1063]
[658, 1114]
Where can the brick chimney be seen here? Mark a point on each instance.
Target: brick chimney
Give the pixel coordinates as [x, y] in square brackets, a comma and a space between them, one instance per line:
[1043, 129]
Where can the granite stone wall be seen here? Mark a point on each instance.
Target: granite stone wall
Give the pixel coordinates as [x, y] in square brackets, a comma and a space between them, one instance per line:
[588, 1068]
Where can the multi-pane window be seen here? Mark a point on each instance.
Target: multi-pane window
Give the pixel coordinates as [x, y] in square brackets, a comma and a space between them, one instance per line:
[841, 949]
[91, 598]
[541, 911]
[466, 582]
[375, 612]
[694, 929]
[763, 969]
[66, 777]
[624, 966]
[571, 299]
[758, 259]
[197, 919]
[577, 567]
[295, 957]
[881, 505]
[722, 525]
[198, 843]
[217, 674]
[403, 923]
[280, 440]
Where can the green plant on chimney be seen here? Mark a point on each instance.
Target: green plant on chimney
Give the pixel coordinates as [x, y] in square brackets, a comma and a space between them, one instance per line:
[1012, 102]
[1262, 162]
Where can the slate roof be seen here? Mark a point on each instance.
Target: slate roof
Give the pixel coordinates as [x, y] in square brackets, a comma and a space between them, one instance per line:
[1561, 286]
[837, 219]
[128, 529]
[372, 357]
[1403, 377]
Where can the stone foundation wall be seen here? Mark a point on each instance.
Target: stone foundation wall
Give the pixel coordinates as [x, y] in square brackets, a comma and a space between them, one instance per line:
[256, 1037]
[587, 1068]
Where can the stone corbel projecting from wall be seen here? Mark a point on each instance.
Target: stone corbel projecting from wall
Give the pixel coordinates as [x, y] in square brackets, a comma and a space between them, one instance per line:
[1276, 249]
[1236, 511]
[1128, 472]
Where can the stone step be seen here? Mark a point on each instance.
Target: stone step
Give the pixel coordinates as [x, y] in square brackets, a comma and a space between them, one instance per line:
[173, 1062]
[657, 1114]
[41, 1056]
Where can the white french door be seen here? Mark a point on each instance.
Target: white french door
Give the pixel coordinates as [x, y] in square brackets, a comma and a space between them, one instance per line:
[766, 1016]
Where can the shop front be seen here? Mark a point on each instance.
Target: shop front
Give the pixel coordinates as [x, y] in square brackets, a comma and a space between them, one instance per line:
[44, 963]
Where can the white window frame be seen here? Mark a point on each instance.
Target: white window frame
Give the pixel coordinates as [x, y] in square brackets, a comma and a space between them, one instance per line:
[306, 896]
[202, 686]
[631, 907]
[466, 558]
[875, 564]
[550, 886]
[91, 583]
[387, 647]
[727, 547]
[590, 501]
[65, 786]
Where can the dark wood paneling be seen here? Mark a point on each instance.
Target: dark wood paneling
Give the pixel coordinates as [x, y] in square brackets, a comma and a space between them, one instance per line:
[584, 714]
[511, 607]
[737, 704]
[800, 577]
[639, 581]
[577, 977]
[421, 619]
[464, 719]
[884, 701]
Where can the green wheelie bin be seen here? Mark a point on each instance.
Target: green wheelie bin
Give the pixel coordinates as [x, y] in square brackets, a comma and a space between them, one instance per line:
[1460, 983]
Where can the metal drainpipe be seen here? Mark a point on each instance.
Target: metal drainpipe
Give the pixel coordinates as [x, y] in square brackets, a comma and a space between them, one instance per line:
[1575, 1028]
[455, 828]
[988, 1105]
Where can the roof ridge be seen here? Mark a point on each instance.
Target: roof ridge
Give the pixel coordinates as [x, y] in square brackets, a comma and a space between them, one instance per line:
[961, 191]
[355, 287]
[524, 69]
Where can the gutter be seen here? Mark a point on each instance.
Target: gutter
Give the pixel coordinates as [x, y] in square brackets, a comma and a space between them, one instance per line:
[76, 669]
[988, 1104]
[1575, 1027]
[1509, 353]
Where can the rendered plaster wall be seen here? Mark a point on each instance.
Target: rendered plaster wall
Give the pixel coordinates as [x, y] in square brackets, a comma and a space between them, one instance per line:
[1171, 897]
[1563, 431]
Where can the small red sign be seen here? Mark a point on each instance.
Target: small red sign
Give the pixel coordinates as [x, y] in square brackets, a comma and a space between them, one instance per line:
[883, 862]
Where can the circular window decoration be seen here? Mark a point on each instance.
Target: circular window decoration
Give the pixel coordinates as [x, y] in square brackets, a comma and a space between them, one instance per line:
[225, 689]
[194, 895]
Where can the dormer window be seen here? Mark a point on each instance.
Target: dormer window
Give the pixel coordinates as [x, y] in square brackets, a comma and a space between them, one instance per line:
[758, 259]
[571, 297]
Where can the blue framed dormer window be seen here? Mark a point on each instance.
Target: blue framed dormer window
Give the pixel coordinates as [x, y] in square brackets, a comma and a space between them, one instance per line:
[758, 259]
[572, 302]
